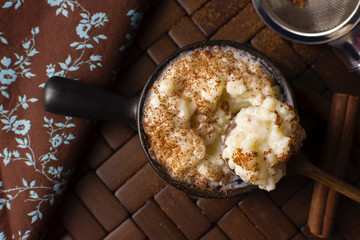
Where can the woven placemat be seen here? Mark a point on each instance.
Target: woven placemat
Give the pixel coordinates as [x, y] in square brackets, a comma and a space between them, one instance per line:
[115, 193]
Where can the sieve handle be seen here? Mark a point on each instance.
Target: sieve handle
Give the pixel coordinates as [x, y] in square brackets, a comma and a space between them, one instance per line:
[349, 47]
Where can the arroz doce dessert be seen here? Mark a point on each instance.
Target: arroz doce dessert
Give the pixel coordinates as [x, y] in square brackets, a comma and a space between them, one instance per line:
[190, 106]
[261, 140]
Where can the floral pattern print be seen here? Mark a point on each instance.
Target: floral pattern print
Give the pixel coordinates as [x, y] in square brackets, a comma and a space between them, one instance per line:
[21, 127]
[21, 66]
[36, 142]
[136, 18]
[82, 30]
[41, 164]
[99, 19]
[15, 3]
[7, 76]
[54, 2]
[19, 235]
[3, 39]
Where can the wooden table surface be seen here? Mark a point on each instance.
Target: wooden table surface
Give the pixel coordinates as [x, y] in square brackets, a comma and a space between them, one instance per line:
[115, 194]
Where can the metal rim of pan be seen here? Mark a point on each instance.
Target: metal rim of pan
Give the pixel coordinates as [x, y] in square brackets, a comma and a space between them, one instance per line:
[206, 192]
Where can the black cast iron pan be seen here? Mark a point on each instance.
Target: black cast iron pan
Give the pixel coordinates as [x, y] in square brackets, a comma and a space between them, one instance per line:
[73, 98]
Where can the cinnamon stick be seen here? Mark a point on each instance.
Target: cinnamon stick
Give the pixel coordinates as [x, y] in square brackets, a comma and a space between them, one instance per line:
[330, 146]
[340, 163]
[336, 149]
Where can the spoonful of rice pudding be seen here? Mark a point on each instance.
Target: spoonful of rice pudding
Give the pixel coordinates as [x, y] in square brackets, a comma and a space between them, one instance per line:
[259, 141]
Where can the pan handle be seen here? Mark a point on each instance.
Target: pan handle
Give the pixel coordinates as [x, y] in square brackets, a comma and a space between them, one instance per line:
[73, 98]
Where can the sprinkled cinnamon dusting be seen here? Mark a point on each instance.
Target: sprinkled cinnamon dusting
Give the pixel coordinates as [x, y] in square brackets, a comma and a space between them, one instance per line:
[246, 160]
[278, 120]
[191, 104]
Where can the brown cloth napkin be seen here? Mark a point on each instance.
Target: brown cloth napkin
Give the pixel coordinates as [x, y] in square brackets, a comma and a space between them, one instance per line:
[78, 39]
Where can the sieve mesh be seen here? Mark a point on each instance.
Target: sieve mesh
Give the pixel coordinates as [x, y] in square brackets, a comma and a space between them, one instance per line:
[317, 16]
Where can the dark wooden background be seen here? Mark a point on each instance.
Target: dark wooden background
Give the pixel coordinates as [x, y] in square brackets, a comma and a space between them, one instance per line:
[115, 194]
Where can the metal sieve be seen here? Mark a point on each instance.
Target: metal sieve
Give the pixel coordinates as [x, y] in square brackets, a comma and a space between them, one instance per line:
[319, 21]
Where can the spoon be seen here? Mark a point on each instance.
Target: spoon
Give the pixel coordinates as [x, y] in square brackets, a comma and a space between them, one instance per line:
[298, 164]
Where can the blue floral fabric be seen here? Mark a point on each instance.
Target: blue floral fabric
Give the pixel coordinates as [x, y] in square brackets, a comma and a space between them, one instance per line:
[79, 39]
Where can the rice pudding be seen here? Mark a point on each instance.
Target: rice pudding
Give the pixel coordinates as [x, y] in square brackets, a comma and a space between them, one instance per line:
[261, 140]
[192, 102]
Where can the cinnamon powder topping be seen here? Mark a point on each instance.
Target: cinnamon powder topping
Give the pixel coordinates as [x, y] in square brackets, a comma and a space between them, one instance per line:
[191, 104]
[264, 138]
[246, 160]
